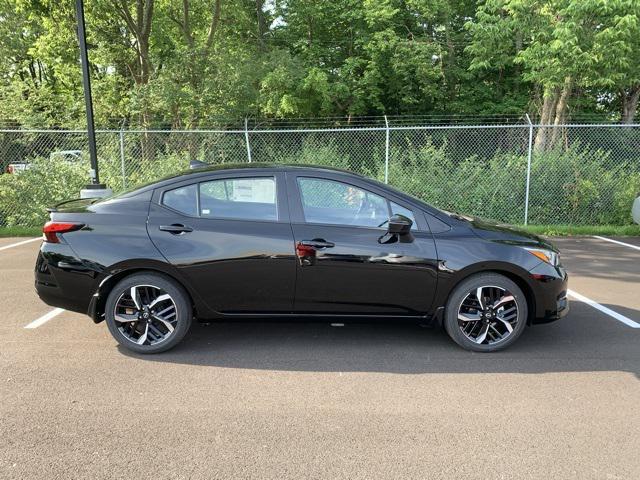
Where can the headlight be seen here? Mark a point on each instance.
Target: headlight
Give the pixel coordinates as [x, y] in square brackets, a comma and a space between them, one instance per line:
[548, 256]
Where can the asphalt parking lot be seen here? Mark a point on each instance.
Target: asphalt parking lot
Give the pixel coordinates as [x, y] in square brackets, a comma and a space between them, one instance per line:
[308, 400]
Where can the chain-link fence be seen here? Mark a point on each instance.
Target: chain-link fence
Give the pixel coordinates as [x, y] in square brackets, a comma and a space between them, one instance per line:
[514, 173]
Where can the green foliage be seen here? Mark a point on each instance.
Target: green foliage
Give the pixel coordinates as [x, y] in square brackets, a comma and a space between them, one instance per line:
[578, 186]
[587, 185]
[472, 186]
[303, 58]
[25, 196]
[196, 64]
[591, 44]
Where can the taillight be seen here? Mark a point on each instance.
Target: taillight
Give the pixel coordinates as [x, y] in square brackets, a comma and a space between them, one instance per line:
[51, 229]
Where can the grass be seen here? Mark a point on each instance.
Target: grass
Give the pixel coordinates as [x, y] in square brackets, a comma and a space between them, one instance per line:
[566, 230]
[20, 231]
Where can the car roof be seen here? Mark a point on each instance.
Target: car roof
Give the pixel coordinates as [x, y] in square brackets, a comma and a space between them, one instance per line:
[203, 171]
[265, 167]
[271, 167]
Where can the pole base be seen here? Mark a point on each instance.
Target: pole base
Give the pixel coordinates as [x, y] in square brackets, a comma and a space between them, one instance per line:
[93, 190]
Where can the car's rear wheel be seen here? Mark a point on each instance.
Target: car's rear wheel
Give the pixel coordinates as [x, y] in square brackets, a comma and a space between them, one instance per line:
[486, 312]
[148, 313]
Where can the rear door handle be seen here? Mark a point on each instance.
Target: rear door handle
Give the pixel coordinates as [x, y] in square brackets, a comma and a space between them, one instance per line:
[317, 243]
[176, 228]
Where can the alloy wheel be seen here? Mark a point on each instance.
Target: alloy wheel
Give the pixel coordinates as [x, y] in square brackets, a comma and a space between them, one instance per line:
[145, 314]
[488, 315]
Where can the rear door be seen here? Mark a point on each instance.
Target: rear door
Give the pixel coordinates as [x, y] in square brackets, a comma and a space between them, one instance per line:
[344, 264]
[230, 235]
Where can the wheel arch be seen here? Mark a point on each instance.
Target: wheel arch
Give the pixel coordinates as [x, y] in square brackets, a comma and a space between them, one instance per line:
[518, 277]
[98, 300]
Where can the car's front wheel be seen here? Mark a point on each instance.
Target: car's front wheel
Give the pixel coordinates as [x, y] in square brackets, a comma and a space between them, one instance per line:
[148, 313]
[486, 312]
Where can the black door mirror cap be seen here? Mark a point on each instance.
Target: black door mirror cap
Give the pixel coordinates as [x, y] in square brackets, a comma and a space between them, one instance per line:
[399, 224]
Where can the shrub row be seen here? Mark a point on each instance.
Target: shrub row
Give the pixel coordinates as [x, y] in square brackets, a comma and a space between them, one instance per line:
[574, 186]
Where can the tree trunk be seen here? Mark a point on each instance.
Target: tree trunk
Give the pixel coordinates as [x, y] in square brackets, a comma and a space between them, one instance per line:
[561, 112]
[145, 63]
[548, 108]
[451, 61]
[554, 112]
[630, 100]
[262, 26]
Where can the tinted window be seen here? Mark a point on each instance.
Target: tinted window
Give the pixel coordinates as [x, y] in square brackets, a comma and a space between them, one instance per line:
[327, 201]
[243, 198]
[395, 208]
[182, 199]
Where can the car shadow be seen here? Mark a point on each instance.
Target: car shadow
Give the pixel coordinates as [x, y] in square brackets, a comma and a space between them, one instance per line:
[585, 340]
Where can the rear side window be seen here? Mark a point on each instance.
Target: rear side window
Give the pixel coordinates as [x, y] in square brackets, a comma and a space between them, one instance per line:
[240, 198]
[183, 199]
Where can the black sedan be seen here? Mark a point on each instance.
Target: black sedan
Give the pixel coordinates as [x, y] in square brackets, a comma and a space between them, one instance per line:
[275, 241]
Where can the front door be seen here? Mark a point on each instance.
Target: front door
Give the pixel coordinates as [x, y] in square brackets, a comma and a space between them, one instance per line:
[345, 263]
[231, 238]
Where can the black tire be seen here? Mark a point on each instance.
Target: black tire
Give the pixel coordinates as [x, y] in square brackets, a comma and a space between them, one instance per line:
[180, 321]
[464, 292]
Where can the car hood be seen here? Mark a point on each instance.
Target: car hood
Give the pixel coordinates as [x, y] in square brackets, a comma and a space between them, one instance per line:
[500, 232]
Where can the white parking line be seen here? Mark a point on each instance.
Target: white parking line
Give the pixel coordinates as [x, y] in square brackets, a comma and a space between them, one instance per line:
[616, 241]
[38, 322]
[621, 318]
[20, 243]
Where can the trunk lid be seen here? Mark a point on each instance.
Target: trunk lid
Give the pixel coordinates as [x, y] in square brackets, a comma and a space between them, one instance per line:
[76, 205]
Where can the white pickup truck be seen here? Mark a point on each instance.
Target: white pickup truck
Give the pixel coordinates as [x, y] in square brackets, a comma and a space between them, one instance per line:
[68, 155]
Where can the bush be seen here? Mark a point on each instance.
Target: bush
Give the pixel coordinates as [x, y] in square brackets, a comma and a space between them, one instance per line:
[25, 196]
[484, 188]
[142, 171]
[576, 185]
[582, 186]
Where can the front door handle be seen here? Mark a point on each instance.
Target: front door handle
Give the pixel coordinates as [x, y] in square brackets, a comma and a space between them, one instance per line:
[317, 243]
[176, 228]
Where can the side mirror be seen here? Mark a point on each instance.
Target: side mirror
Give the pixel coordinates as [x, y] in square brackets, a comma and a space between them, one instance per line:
[194, 164]
[399, 225]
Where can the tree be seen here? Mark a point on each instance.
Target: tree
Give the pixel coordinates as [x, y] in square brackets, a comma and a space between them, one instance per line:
[186, 63]
[616, 53]
[561, 45]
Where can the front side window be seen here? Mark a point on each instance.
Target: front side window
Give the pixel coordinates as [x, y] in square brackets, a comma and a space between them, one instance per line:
[398, 209]
[337, 203]
[240, 198]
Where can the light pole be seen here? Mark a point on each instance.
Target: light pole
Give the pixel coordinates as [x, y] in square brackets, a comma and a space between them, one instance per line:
[95, 188]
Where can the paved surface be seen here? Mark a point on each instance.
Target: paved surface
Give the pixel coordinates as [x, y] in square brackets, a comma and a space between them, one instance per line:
[302, 400]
